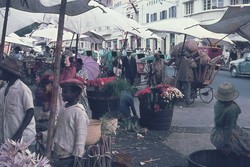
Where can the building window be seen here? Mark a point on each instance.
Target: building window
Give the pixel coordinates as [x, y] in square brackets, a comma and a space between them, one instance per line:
[207, 4]
[246, 1]
[220, 3]
[147, 18]
[172, 12]
[163, 14]
[189, 8]
[234, 2]
[147, 43]
[153, 17]
[217, 4]
[213, 4]
[172, 41]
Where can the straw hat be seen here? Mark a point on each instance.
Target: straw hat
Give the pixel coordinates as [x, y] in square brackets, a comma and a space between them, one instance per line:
[226, 92]
[11, 65]
[72, 82]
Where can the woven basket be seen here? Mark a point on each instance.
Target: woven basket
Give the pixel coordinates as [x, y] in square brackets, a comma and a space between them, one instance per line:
[94, 132]
[109, 126]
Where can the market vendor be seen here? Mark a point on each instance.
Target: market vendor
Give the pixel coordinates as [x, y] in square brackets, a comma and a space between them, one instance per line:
[227, 136]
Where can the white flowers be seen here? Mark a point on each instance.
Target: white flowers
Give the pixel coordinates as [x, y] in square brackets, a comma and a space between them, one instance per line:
[170, 93]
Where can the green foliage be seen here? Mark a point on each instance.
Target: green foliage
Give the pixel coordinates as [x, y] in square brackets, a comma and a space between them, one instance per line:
[115, 87]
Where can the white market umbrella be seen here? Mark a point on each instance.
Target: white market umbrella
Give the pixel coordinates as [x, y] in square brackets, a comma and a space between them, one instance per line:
[15, 39]
[74, 7]
[186, 26]
[51, 34]
[140, 31]
[98, 17]
[92, 36]
[237, 38]
[24, 18]
[18, 19]
[236, 19]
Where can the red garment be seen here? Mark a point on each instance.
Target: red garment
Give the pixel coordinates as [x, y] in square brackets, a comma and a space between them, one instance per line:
[67, 73]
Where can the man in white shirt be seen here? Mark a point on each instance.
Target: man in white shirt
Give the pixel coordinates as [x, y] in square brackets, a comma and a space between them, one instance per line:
[16, 104]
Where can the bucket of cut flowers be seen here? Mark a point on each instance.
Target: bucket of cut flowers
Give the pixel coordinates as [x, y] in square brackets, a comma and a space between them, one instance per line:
[157, 106]
[103, 95]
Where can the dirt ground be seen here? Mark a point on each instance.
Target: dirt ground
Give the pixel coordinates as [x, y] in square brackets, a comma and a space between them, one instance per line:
[145, 145]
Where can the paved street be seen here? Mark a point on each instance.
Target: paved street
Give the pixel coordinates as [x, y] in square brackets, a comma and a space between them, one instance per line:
[200, 117]
[201, 114]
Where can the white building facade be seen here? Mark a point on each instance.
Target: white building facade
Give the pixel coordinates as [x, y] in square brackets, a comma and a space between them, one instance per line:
[147, 11]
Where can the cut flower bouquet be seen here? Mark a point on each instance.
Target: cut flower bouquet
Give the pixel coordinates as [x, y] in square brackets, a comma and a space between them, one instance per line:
[159, 98]
[111, 85]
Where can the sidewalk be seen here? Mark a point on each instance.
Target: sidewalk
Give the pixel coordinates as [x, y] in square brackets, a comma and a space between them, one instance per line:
[171, 146]
[190, 131]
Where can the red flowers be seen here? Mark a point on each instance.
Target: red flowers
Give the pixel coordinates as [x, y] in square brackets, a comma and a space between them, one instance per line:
[143, 92]
[160, 97]
[81, 79]
[100, 82]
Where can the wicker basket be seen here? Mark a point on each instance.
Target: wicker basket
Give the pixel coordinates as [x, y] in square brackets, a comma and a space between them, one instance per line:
[94, 132]
[109, 126]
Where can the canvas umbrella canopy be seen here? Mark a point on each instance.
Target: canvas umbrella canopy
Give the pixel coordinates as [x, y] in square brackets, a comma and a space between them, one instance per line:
[98, 17]
[16, 21]
[15, 39]
[51, 34]
[236, 19]
[237, 38]
[74, 7]
[90, 66]
[140, 31]
[92, 36]
[186, 26]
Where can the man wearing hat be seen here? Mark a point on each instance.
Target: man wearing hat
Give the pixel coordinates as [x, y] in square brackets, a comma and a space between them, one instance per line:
[16, 104]
[227, 135]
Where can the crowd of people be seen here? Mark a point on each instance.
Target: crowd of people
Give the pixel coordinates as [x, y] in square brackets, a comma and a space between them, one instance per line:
[17, 103]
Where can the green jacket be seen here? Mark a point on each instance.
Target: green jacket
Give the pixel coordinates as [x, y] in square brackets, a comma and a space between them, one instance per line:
[226, 117]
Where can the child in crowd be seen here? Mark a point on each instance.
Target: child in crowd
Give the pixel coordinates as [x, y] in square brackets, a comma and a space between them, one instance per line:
[72, 123]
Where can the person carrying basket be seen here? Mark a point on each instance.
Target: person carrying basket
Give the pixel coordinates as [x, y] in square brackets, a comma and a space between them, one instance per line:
[185, 75]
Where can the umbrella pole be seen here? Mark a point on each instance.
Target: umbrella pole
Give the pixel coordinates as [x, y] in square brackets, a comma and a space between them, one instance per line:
[125, 41]
[72, 40]
[77, 40]
[4, 28]
[55, 86]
